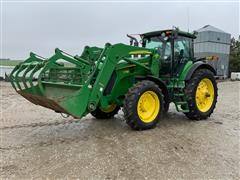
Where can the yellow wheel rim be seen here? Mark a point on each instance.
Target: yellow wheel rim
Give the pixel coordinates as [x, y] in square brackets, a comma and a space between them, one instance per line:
[204, 95]
[148, 106]
[109, 109]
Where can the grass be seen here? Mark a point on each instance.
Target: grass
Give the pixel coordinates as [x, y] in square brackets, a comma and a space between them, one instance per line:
[4, 62]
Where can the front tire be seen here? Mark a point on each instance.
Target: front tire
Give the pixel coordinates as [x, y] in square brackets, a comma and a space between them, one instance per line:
[143, 105]
[106, 113]
[201, 93]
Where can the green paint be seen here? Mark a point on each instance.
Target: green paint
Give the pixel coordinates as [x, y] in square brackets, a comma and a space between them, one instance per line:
[76, 85]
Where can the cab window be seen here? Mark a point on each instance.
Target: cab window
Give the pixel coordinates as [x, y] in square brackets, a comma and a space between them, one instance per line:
[182, 49]
[163, 47]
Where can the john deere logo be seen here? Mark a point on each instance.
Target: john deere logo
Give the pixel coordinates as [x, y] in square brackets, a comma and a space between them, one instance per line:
[140, 52]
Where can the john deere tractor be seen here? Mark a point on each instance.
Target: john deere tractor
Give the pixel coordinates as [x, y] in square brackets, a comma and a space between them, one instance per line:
[142, 78]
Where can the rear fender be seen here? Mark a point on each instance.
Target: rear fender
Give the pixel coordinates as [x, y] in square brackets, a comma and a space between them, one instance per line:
[196, 66]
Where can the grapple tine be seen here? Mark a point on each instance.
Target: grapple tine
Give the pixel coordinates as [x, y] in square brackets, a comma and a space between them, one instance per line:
[24, 78]
[25, 66]
[36, 68]
[17, 78]
[12, 78]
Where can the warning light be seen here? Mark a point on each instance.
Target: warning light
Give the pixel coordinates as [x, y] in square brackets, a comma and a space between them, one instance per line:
[168, 33]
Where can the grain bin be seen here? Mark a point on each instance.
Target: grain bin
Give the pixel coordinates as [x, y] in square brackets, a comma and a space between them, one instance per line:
[212, 41]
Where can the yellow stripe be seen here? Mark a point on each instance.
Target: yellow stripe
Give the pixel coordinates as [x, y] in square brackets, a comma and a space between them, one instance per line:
[140, 52]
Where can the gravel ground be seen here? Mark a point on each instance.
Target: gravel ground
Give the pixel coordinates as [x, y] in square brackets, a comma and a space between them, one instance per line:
[38, 143]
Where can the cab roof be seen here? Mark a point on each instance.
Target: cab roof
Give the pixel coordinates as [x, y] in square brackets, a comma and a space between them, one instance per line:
[169, 31]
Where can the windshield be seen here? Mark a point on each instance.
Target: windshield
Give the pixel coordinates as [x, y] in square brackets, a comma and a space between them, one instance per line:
[163, 47]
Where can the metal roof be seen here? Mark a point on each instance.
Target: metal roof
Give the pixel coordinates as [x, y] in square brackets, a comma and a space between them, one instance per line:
[181, 33]
[210, 28]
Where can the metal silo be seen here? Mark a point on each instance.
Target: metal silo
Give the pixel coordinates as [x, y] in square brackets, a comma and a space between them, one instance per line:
[212, 41]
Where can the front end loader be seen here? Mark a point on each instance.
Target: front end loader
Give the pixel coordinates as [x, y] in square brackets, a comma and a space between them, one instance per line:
[143, 80]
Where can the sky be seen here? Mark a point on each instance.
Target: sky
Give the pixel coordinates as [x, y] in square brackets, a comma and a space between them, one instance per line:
[41, 26]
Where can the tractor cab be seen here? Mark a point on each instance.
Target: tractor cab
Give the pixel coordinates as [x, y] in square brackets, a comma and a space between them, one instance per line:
[174, 47]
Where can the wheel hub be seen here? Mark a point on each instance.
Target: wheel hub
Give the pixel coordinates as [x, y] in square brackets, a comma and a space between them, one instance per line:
[148, 106]
[204, 95]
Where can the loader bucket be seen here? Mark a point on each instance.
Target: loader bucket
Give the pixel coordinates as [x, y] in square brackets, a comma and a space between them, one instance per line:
[62, 87]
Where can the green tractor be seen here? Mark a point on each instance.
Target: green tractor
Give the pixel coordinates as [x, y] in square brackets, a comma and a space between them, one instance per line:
[142, 78]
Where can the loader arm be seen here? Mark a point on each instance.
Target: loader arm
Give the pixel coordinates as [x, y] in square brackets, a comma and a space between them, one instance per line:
[106, 65]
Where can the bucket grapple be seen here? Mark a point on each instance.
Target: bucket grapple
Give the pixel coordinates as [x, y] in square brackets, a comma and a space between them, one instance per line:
[54, 83]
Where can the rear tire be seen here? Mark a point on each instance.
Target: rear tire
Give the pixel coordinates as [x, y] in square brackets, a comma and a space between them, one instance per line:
[107, 113]
[201, 93]
[143, 105]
